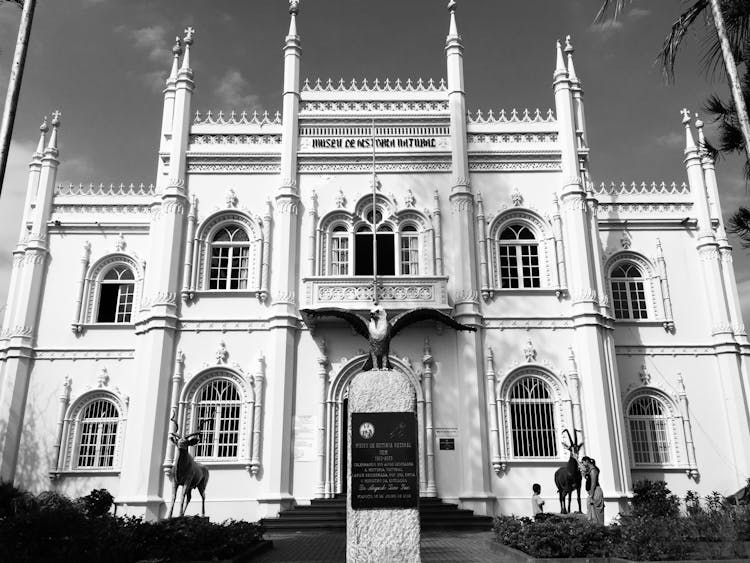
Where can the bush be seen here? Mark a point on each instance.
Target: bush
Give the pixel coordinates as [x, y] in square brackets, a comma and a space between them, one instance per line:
[554, 536]
[51, 527]
[654, 499]
[652, 538]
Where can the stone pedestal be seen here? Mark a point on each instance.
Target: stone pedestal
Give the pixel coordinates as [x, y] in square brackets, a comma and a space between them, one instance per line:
[380, 534]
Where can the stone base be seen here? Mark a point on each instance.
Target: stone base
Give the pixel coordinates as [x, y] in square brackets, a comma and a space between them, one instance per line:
[380, 534]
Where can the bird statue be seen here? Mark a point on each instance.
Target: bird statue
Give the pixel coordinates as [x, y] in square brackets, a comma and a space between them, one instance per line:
[379, 331]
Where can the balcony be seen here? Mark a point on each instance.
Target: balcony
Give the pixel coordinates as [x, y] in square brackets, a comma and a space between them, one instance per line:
[394, 292]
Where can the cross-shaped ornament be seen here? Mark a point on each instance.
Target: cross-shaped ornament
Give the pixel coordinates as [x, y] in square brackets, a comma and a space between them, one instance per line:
[56, 117]
[685, 115]
[189, 33]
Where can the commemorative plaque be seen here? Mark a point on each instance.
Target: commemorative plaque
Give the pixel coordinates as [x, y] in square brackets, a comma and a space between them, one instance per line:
[384, 460]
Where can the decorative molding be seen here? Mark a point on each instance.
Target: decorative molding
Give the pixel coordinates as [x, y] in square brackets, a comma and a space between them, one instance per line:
[527, 324]
[528, 351]
[375, 86]
[223, 326]
[664, 350]
[78, 354]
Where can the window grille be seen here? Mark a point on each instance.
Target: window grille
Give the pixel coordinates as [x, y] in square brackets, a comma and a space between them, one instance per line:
[628, 292]
[649, 430]
[217, 414]
[340, 252]
[98, 434]
[230, 251]
[409, 251]
[518, 254]
[532, 419]
[116, 291]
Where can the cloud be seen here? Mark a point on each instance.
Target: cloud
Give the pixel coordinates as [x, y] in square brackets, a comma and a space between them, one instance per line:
[637, 13]
[234, 91]
[607, 28]
[152, 40]
[672, 140]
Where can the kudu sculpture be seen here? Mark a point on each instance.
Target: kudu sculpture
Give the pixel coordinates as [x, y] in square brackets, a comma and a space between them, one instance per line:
[568, 478]
[187, 472]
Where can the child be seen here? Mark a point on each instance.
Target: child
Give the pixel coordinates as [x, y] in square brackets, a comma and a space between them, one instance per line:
[537, 504]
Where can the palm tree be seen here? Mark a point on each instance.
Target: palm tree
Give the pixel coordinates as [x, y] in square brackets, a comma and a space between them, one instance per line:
[14, 83]
[732, 32]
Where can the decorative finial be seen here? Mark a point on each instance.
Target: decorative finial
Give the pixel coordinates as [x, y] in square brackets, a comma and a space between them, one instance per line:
[452, 6]
[177, 49]
[699, 127]
[189, 35]
[44, 127]
[689, 141]
[56, 115]
[294, 7]
[685, 116]
[568, 46]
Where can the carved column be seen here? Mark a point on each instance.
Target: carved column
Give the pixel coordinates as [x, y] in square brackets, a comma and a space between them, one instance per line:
[429, 425]
[437, 220]
[692, 470]
[78, 319]
[258, 383]
[574, 387]
[265, 272]
[177, 379]
[313, 217]
[562, 279]
[187, 275]
[483, 250]
[491, 391]
[664, 284]
[56, 462]
[321, 441]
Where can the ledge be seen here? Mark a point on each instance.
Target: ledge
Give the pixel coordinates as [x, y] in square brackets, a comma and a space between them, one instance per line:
[394, 292]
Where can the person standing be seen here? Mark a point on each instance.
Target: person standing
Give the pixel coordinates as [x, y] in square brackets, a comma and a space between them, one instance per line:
[594, 490]
[537, 504]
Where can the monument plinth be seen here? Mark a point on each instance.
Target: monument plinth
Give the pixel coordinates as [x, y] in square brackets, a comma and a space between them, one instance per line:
[382, 520]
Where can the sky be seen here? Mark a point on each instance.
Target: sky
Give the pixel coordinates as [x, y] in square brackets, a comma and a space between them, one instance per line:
[103, 63]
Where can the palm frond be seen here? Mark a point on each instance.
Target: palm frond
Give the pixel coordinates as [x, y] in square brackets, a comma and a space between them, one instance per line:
[668, 53]
[614, 6]
[739, 225]
[737, 25]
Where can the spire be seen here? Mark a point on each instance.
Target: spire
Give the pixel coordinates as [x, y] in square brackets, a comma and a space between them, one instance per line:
[43, 128]
[453, 31]
[569, 52]
[701, 138]
[52, 145]
[560, 70]
[293, 11]
[188, 41]
[689, 141]
[176, 52]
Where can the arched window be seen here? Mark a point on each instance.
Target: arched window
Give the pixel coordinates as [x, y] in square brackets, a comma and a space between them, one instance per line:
[340, 251]
[518, 256]
[363, 251]
[649, 424]
[628, 292]
[217, 412]
[409, 251]
[116, 291]
[97, 430]
[230, 251]
[532, 418]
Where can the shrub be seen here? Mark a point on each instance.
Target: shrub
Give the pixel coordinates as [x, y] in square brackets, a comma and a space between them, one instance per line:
[654, 499]
[651, 538]
[97, 503]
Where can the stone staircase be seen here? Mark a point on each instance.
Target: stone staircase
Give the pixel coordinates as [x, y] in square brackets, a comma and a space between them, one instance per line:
[330, 514]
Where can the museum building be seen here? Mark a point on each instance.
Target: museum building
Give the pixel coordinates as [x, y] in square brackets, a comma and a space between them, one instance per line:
[610, 310]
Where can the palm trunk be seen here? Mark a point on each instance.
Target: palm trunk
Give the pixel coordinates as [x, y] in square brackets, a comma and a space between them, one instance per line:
[14, 84]
[734, 80]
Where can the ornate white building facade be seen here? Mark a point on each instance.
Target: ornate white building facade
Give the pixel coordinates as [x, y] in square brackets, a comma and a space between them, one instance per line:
[610, 310]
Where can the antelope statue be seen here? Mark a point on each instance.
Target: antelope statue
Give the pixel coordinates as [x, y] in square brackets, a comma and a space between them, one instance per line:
[186, 471]
[568, 478]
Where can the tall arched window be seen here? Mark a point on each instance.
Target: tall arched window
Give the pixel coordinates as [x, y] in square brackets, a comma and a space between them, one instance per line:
[97, 434]
[116, 291]
[628, 292]
[649, 423]
[230, 250]
[532, 418]
[363, 251]
[409, 251]
[216, 412]
[340, 251]
[518, 255]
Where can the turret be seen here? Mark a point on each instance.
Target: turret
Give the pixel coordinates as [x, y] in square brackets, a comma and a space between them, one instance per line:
[577, 90]
[169, 95]
[454, 50]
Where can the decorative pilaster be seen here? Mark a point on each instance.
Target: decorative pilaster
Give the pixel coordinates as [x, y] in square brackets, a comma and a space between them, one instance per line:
[312, 214]
[562, 279]
[429, 425]
[497, 461]
[177, 380]
[321, 441]
[664, 283]
[483, 250]
[574, 387]
[259, 381]
[57, 462]
[265, 271]
[692, 470]
[77, 324]
[438, 226]
[187, 274]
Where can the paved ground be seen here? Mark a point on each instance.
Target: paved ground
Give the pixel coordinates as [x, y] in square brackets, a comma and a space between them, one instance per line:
[445, 546]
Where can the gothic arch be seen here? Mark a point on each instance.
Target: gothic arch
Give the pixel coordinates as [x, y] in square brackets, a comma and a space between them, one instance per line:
[673, 419]
[336, 426]
[94, 277]
[651, 278]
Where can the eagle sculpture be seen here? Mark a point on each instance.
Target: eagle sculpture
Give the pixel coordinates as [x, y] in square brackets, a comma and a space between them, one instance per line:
[379, 331]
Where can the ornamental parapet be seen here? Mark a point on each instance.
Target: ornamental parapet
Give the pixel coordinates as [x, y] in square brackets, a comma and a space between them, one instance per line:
[356, 292]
